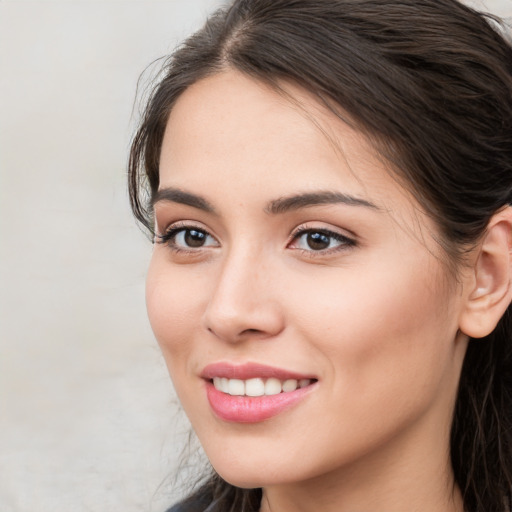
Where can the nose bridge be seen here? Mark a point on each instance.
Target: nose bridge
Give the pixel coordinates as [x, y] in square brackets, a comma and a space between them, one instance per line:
[242, 301]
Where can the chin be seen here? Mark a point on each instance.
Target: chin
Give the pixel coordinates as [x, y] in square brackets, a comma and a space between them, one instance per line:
[249, 478]
[250, 471]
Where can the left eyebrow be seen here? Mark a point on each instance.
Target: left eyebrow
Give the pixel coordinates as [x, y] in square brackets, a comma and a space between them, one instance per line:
[176, 195]
[296, 202]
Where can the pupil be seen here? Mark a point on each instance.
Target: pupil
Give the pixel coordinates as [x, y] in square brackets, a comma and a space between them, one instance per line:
[194, 238]
[318, 241]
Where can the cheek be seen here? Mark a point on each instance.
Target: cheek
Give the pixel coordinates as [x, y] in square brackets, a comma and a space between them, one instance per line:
[381, 324]
[173, 307]
[384, 342]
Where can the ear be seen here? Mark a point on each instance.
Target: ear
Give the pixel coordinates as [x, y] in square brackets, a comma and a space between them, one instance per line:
[489, 288]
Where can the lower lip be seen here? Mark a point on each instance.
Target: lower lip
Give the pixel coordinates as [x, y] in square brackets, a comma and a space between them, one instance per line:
[245, 409]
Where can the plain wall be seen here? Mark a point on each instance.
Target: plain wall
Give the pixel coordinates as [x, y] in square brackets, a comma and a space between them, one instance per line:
[87, 412]
[88, 419]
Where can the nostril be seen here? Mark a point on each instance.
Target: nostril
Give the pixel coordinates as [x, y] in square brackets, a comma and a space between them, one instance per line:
[245, 322]
[251, 331]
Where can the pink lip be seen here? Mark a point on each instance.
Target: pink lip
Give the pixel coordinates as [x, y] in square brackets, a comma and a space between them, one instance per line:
[249, 371]
[244, 409]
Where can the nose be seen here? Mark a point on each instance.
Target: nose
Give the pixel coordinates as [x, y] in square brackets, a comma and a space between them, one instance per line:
[243, 303]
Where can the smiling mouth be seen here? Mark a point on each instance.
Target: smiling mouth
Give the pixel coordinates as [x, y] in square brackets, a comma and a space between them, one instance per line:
[253, 392]
[258, 386]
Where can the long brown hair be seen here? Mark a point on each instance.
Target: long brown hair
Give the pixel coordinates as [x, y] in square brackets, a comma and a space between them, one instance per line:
[430, 83]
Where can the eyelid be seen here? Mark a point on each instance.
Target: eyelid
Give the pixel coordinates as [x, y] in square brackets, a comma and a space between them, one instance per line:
[347, 240]
[183, 225]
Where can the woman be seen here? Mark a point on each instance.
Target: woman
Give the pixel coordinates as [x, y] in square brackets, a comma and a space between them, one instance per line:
[328, 188]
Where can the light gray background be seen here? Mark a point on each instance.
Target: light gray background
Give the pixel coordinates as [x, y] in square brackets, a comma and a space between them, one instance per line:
[88, 420]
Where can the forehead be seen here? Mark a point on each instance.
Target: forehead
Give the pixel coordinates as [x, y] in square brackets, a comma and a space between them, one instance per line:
[231, 125]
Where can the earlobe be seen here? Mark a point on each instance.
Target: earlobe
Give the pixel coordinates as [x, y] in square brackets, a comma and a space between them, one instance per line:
[490, 287]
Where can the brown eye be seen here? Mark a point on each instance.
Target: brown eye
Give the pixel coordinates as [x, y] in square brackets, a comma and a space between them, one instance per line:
[187, 238]
[194, 238]
[318, 241]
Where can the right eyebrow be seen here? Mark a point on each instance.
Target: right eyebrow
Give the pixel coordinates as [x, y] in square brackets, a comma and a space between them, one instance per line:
[176, 195]
[299, 201]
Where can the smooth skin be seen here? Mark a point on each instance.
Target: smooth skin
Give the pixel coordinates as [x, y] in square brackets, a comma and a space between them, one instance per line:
[354, 290]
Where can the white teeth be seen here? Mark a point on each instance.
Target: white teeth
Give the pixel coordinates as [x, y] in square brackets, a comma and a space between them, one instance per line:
[289, 385]
[273, 387]
[303, 383]
[224, 385]
[236, 387]
[254, 387]
[221, 383]
[258, 386]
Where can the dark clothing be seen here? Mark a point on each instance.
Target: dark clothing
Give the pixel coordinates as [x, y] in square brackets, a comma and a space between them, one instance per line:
[204, 500]
[194, 504]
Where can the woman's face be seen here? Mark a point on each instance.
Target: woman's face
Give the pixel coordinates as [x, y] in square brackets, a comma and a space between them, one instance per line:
[292, 259]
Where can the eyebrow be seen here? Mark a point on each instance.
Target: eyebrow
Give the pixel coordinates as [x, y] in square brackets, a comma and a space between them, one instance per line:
[296, 202]
[176, 195]
[275, 207]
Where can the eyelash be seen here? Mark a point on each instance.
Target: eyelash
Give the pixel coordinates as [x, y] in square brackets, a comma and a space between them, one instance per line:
[345, 242]
[170, 234]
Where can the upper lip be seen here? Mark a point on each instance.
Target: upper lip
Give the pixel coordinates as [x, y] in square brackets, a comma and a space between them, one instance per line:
[249, 371]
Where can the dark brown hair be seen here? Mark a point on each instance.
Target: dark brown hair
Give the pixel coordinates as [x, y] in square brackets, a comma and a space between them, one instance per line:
[430, 83]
